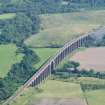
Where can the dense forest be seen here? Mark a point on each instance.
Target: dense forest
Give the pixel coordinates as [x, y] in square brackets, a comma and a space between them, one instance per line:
[45, 6]
[25, 24]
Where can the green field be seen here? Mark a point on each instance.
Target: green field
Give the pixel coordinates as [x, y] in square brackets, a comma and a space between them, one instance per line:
[7, 16]
[60, 89]
[90, 80]
[51, 89]
[44, 54]
[85, 80]
[96, 97]
[8, 57]
[57, 29]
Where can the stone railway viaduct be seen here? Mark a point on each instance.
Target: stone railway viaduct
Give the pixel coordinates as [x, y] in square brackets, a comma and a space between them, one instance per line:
[48, 67]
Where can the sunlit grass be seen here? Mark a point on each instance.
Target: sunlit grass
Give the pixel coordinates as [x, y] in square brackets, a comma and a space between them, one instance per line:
[7, 16]
[96, 97]
[8, 57]
[44, 54]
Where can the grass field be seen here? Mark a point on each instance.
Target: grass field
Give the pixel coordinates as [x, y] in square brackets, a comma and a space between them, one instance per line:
[90, 80]
[7, 16]
[60, 91]
[44, 54]
[57, 29]
[7, 58]
[51, 89]
[96, 97]
[85, 80]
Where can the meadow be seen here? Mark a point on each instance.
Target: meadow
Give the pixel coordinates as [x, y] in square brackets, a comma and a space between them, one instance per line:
[96, 97]
[8, 57]
[57, 29]
[7, 16]
[59, 92]
[51, 89]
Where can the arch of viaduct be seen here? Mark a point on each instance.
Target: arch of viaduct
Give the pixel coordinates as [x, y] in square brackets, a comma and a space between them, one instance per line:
[47, 68]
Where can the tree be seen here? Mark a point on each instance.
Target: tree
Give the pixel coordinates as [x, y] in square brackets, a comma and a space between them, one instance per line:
[75, 65]
[71, 64]
[68, 65]
[19, 28]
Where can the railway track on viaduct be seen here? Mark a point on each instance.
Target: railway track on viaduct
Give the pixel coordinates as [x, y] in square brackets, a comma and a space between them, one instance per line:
[52, 63]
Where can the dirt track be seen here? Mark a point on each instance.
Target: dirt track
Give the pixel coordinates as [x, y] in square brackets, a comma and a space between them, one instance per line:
[55, 101]
[91, 58]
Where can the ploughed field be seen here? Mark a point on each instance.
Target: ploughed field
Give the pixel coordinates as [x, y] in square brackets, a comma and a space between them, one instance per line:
[57, 29]
[91, 58]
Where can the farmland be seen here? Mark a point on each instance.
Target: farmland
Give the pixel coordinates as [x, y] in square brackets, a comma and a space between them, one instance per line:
[61, 90]
[96, 97]
[8, 57]
[91, 58]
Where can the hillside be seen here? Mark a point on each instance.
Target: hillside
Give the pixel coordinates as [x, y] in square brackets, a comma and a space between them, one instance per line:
[57, 29]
